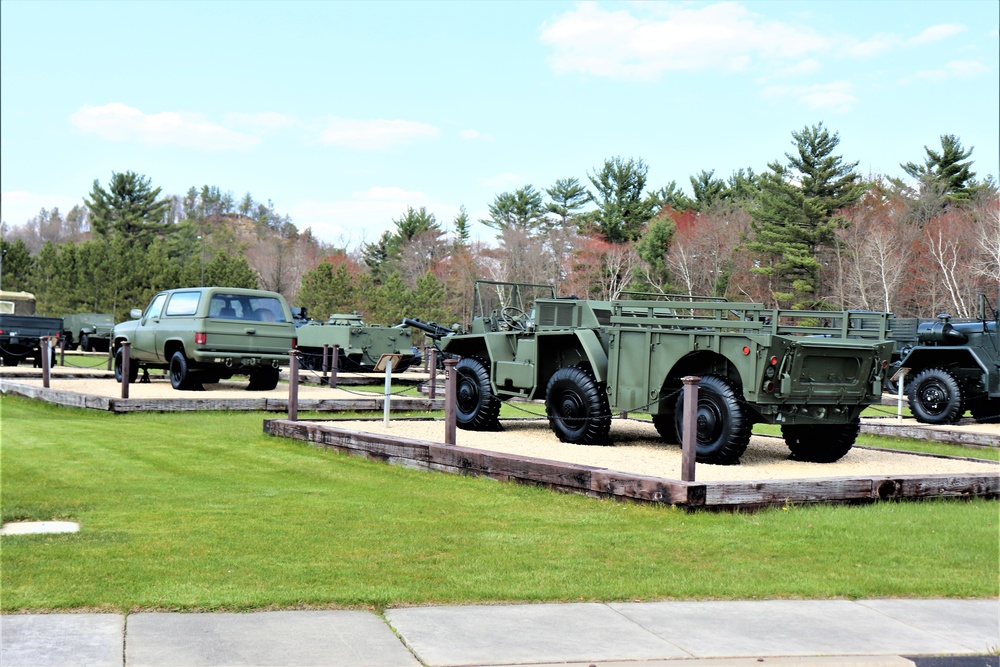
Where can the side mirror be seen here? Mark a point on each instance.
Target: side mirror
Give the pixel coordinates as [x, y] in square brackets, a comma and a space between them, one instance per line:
[135, 313]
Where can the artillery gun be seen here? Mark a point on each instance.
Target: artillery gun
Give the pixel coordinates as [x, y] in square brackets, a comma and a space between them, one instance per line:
[954, 366]
[811, 372]
[360, 345]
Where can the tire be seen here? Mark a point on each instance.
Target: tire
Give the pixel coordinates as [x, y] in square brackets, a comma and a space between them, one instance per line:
[133, 367]
[667, 428]
[724, 422]
[85, 343]
[181, 377]
[10, 360]
[986, 411]
[263, 379]
[820, 443]
[477, 407]
[935, 397]
[577, 407]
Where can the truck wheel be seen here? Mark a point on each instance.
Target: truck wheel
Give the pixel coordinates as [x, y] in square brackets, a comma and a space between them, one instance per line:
[986, 411]
[820, 443]
[181, 377]
[478, 408]
[723, 423]
[133, 367]
[10, 360]
[935, 397]
[577, 407]
[85, 342]
[263, 379]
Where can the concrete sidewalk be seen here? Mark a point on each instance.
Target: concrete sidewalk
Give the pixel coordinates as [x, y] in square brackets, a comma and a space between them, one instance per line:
[775, 632]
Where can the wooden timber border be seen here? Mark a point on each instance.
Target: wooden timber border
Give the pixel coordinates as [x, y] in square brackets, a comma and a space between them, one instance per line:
[604, 483]
[190, 404]
[887, 426]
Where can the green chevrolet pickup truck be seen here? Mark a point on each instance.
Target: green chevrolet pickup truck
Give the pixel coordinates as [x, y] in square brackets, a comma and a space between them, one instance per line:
[206, 334]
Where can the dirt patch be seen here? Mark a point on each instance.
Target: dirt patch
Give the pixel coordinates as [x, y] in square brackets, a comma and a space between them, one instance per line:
[637, 449]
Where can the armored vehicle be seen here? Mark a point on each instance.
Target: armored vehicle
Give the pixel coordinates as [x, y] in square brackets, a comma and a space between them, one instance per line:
[811, 372]
[954, 366]
[21, 330]
[360, 345]
[207, 334]
[88, 331]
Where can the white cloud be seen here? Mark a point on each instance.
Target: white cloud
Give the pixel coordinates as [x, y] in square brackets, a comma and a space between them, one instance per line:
[264, 120]
[375, 134]
[722, 36]
[474, 135]
[872, 46]
[18, 207]
[936, 33]
[956, 69]
[121, 123]
[836, 97]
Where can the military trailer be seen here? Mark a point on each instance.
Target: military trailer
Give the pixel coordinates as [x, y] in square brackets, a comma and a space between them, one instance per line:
[953, 367]
[88, 331]
[811, 372]
[360, 345]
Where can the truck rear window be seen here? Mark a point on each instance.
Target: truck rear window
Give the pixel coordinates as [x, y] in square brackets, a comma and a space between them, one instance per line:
[243, 307]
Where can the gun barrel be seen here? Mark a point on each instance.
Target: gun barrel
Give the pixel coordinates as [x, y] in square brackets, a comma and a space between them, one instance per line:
[436, 331]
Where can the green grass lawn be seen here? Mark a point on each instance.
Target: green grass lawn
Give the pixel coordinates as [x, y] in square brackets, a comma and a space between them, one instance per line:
[201, 511]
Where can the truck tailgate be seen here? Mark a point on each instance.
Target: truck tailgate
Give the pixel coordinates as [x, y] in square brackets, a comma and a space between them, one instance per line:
[813, 368]
[249, 337]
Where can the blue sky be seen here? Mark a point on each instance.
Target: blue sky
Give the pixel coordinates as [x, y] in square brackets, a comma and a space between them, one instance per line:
[343, 114]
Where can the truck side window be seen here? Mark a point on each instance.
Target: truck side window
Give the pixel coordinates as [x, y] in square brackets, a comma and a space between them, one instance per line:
[183, 303]
[156, 306]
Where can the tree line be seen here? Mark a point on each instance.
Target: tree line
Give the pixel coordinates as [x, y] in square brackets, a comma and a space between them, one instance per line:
[810, 232]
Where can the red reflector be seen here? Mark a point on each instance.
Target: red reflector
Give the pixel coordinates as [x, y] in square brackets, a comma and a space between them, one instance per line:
[746, 350]
[200, 338]
[769, 387]
[884, 364]
[295, 343]
[774, 361]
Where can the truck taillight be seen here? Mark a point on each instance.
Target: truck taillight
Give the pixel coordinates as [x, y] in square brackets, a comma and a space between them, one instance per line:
[200, 338]
[295, 343]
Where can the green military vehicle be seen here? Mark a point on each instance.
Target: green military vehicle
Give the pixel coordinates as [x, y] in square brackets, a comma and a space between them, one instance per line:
[811, 372]
[360, 345]
[22, 330]
[88, 331]
[206, 334]
[952, 366]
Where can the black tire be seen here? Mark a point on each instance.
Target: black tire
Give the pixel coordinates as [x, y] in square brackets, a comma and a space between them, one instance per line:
[10, 360]
[577, 407]
[724, 422]
[666, 426]
[935, 397]
[477, 407]
[986, 411]
[263, 379]
[133, 367]
[85, 343]
[181, 377]
[45, 349]
[820, 443]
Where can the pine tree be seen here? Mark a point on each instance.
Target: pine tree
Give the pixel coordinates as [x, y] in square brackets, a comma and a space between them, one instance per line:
[796, 215]
[950, 167]
[129, 208]
[622, 210]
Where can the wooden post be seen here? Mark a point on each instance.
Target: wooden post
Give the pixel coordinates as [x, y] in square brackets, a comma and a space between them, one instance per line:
[334, 363]
[46, 352]
[111, 355]
[426, 359]
[432, 382]
[62, 350]
[126, 362]
[326, 362]
[689, 438]
[293, 385]
[450, 400]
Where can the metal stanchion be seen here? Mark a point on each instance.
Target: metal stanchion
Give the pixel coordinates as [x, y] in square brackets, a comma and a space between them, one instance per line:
[450, 401]
[45, 350]
[293, 385]
[900, 379]
[689, 438]
[334, 363]
[326, 362]
[432, 382]
[126, 363]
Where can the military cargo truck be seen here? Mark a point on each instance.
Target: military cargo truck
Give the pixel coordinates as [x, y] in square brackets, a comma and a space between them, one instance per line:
[22, 330]
[88, 331]
[360, 345]
[953, 367]
[811, 372]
